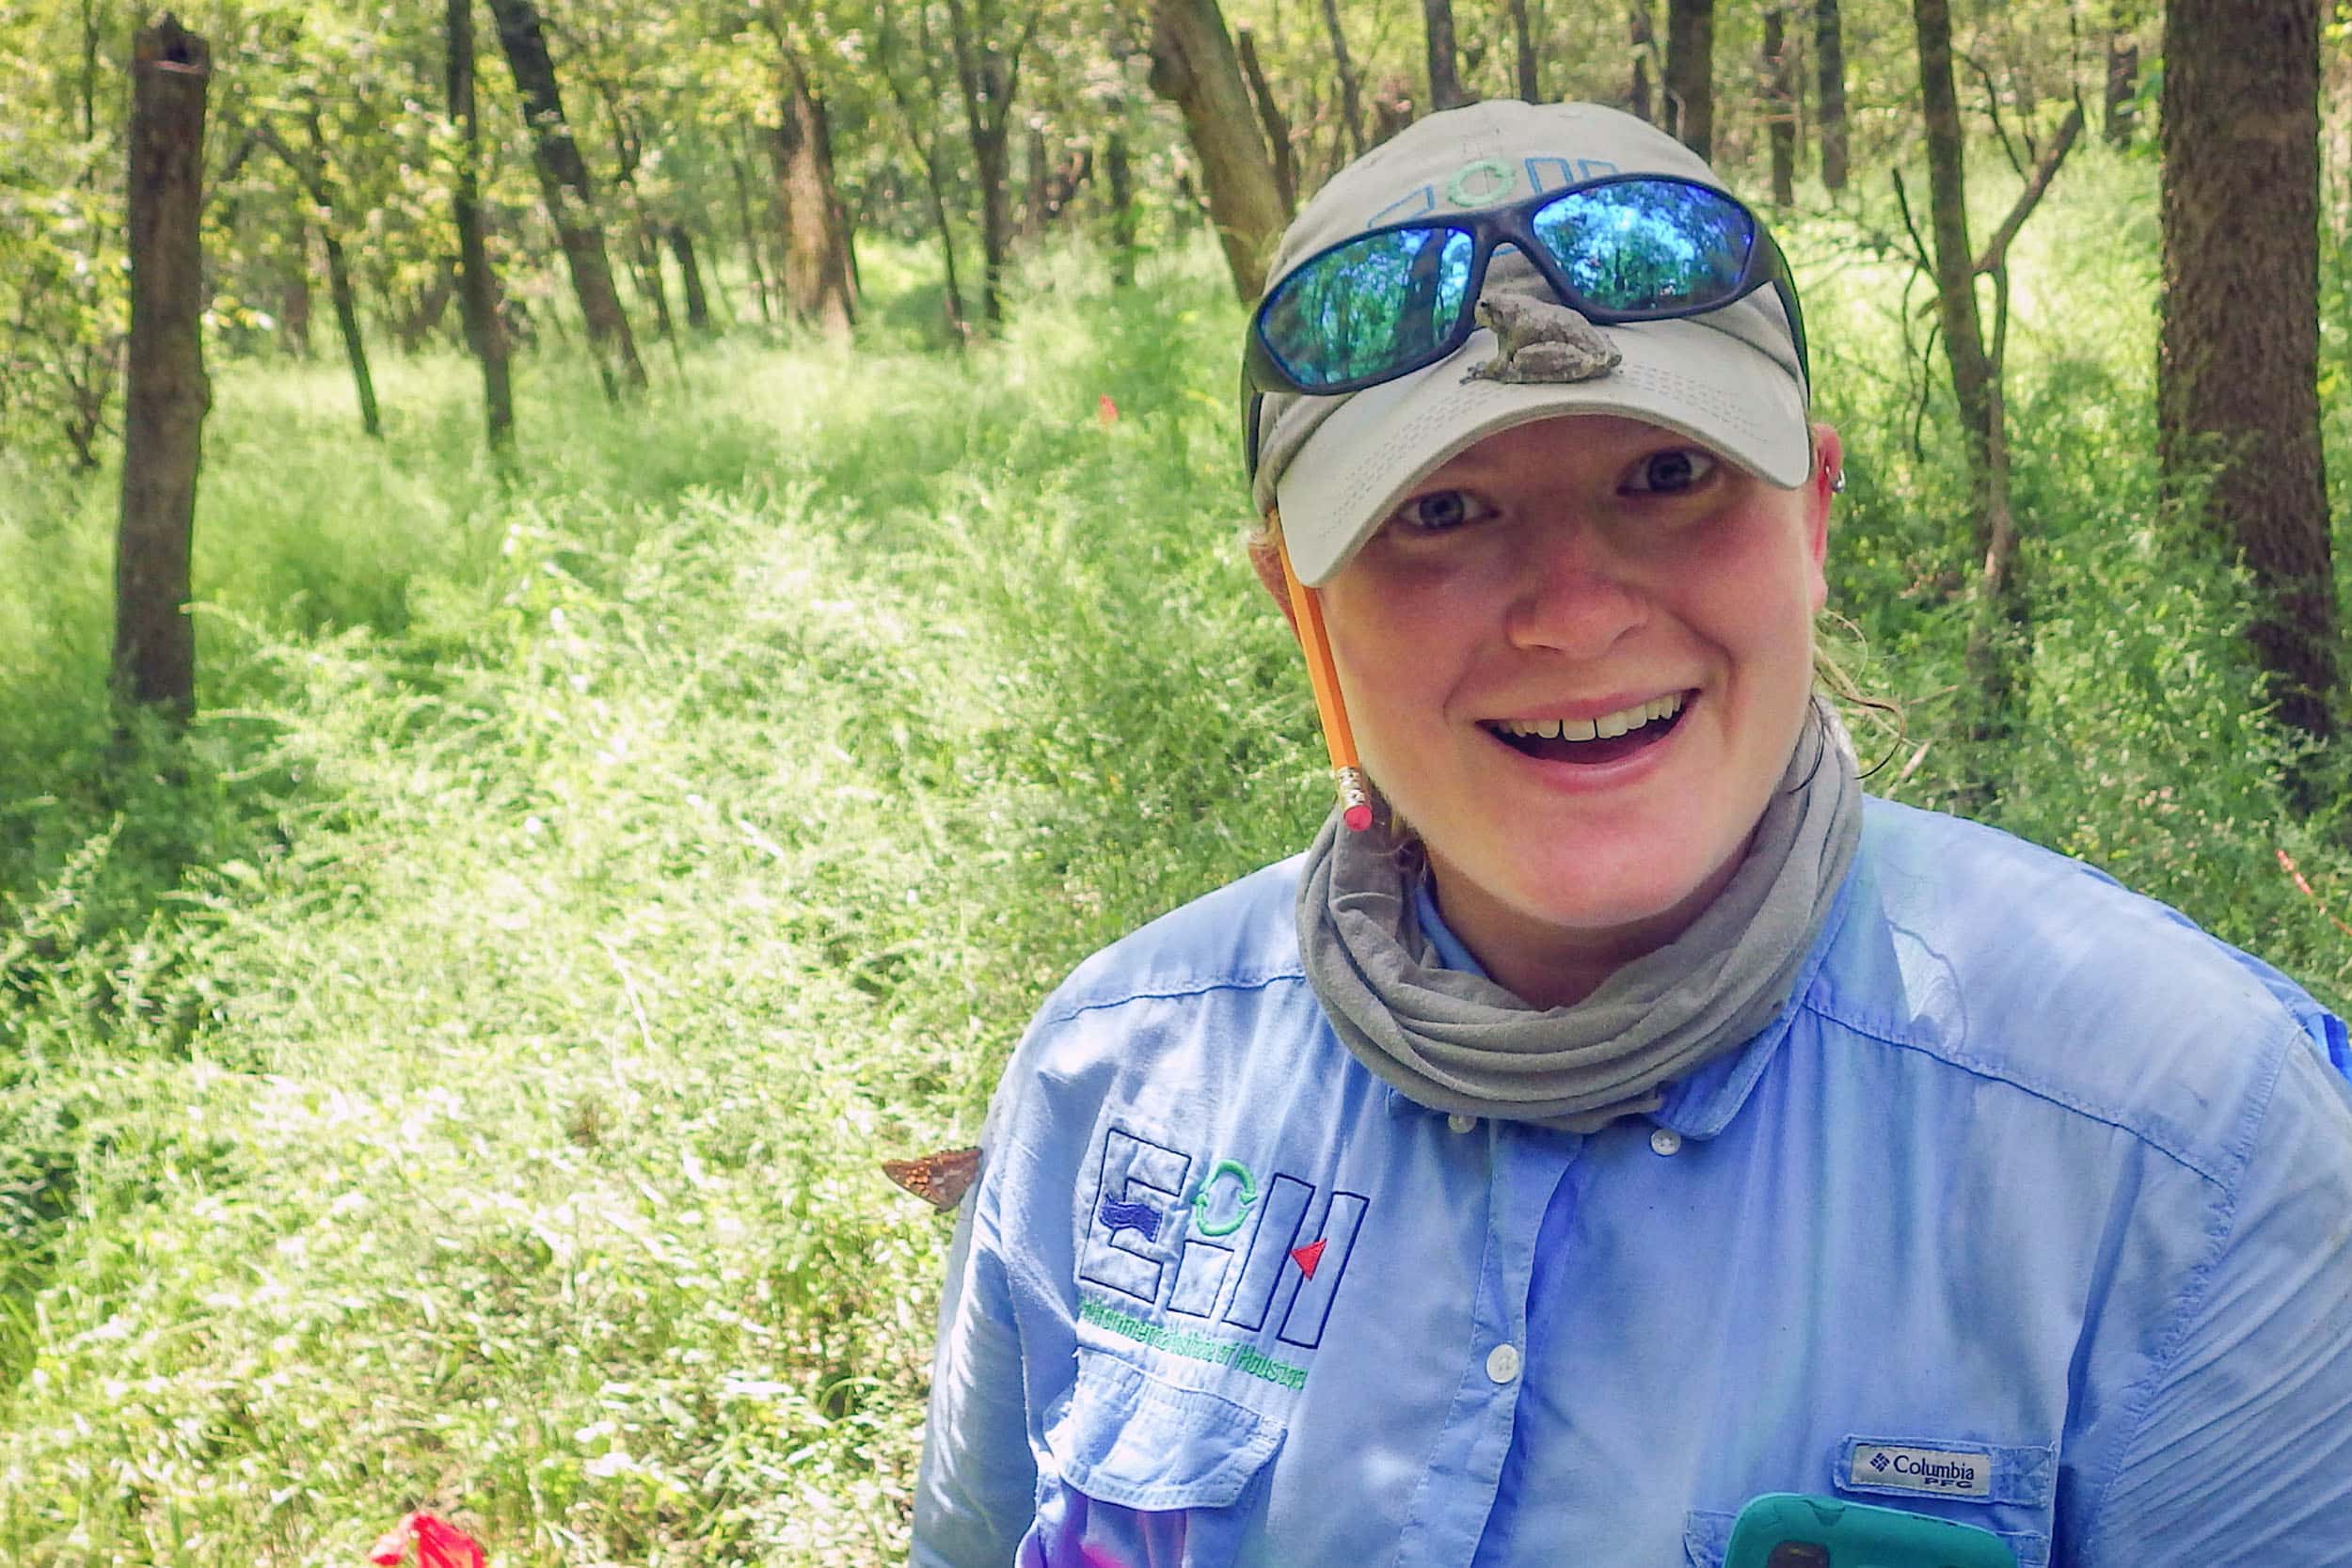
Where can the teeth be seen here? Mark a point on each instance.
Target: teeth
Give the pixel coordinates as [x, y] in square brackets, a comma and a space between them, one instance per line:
[1607, 725]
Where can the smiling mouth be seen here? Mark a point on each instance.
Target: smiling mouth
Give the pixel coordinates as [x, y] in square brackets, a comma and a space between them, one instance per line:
[1593, 741]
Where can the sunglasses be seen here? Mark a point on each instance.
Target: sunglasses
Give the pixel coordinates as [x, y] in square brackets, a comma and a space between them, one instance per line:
[1627, 247]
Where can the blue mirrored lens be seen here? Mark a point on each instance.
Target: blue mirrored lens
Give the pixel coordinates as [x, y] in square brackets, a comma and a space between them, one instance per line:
[1369, 307]
[1649, 244]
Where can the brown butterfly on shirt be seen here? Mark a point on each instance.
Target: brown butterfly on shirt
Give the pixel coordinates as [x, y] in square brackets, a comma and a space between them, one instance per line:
[941, 1178]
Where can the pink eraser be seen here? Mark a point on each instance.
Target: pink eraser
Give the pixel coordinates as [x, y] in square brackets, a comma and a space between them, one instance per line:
[1357, 818]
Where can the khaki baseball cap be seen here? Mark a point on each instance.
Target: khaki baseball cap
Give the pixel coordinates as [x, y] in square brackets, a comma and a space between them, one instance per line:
[1731, 379]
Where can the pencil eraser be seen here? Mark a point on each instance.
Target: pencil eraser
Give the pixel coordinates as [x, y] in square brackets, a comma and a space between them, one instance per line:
[1357, 818]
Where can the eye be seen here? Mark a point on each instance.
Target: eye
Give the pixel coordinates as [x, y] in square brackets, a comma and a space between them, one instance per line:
[1671, 472]
[1440, 510]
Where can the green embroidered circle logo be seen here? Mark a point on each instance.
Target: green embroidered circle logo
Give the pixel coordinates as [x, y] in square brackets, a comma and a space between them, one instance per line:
[1481, 182]
[1245, 1194]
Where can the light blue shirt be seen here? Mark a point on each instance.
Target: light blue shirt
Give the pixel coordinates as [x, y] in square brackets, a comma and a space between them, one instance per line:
[2034, 1211]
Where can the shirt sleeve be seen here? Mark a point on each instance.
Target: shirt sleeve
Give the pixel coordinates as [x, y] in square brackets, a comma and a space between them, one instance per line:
[2241, 1450]
[977, 1486]
[975, 1493]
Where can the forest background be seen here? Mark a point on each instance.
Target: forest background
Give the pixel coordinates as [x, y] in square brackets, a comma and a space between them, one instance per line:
[446, 1050]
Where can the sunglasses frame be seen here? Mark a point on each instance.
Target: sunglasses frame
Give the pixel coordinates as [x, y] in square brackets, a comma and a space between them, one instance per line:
[1489, 229]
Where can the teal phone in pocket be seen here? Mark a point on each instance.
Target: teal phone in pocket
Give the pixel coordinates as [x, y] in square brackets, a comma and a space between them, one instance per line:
[1789, 1530]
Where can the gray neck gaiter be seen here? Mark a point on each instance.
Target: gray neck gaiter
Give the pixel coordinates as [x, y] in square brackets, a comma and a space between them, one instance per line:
[1457, 1041]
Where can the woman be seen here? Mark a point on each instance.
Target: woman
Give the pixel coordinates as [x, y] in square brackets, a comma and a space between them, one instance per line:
[1631, 1119]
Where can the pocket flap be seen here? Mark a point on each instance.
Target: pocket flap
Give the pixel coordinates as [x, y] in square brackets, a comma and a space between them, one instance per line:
[1130, 1439]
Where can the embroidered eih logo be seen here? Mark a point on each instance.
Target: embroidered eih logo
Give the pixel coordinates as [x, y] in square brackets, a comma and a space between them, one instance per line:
[1226, 1248]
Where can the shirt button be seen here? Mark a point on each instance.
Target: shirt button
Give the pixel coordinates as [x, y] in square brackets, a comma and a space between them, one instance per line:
[1666, 1140]
[1461, 1124]
[1503, 1363]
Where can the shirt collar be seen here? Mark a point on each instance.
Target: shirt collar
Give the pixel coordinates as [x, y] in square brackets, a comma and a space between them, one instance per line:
[1703, 1104]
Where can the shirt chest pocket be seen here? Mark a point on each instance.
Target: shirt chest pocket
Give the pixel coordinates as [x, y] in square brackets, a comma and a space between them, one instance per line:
[1140, 1473]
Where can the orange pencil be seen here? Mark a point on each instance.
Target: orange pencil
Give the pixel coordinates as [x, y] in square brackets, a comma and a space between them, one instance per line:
[1324, 677]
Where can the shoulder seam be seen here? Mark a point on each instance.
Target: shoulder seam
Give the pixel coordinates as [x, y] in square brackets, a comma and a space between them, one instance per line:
[1174, 992]
[2001, 1072]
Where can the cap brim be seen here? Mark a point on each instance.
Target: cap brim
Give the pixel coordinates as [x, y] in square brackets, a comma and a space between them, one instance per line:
[1379, 443]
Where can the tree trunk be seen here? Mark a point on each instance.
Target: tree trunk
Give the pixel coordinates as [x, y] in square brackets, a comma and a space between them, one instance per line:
[986, 80]
[165, 393]
[1123, 196]
[1270, 118]
[565, 186]
[294, 315]
[1445, 75]
[477, 285]
[1829, 51]
[1351, 89]
[751, 238]
[1691, 73]
[2123, 88]
[2238, 346]
[1976, 379]
[819, 287]
[1780, 103]
[1037, 206]
[691, 278]
[346, 300]
[1193, 66]
[1530, 82]
[1642, 41]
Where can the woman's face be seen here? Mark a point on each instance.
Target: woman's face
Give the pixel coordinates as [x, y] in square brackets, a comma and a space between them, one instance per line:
[1588, 577]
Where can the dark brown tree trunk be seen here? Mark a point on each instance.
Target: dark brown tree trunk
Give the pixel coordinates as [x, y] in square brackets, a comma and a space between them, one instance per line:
[2123, 89]
[1642, 41]
[1122, 198]
[1829, 54]
[1691, 73]
[751, 239]
[1445, 73]
[2000, 619]
[1193, 67]
[1392, 106]
[1780, 105]
[1037, 207]
[2239, 347]
[563, 184]
[923, 134]
[294, 315]
[651, 284]
[1529, 80]
[1270, 119]
[691, 278]
[1351, 90]
[987, 79]
[2123, 86]
[165, 394]
[477, 285]
[820, 280]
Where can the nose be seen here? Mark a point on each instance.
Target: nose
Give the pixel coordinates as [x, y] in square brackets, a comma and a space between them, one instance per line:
[1575, 595]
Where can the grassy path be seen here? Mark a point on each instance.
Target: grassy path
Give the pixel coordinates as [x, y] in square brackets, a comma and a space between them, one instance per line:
[583, 887]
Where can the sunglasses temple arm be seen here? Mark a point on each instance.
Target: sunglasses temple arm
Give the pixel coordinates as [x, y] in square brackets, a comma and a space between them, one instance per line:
[1322, 677]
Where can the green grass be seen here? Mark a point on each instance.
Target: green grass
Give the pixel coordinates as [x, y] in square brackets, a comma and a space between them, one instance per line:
[452, 1075]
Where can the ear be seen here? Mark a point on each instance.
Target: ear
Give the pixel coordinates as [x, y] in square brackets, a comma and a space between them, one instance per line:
[1265, 559]
[1829, 468]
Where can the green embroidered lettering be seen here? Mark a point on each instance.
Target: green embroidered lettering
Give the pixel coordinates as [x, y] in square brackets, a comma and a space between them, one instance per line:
[1184, 1342]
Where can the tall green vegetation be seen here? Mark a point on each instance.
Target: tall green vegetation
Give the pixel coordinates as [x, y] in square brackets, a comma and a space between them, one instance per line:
[453, 1074]
[450, 1071]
